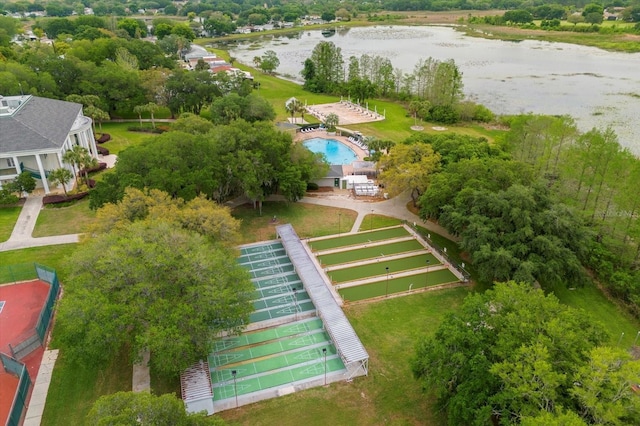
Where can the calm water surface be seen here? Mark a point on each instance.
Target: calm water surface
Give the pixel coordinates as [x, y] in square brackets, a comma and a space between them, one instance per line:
[335, 151]
[597, 87]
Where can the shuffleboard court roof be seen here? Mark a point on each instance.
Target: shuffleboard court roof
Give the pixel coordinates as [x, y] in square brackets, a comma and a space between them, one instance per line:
[336, 323]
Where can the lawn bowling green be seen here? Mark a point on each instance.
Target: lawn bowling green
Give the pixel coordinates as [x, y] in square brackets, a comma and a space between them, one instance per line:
[381, 263]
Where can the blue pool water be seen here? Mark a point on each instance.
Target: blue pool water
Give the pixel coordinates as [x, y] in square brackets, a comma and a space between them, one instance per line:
[335, 151]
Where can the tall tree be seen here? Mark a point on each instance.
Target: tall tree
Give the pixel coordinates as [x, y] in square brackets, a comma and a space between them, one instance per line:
[325, 70]
[510, 352]
[155, 287]
[143, 408]
[409, 167]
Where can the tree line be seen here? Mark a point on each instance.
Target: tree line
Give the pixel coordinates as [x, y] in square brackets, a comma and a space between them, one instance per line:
[217, 161]
[544, 205]
[433, 90]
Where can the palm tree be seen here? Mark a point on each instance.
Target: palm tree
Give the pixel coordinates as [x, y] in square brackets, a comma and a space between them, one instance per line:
[79, 157]
[152, 108]
[293, 106]
[139, 109]
[62, 177]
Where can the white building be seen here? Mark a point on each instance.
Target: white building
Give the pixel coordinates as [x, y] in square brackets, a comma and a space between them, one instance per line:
[36, 132]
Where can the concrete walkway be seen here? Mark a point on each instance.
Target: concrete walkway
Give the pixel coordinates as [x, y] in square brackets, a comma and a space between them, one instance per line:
[21, 236]
[394, 207]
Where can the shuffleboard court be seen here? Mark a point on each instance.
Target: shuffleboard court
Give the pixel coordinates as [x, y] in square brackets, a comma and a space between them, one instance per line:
[268, 334]
[275, 281]
[285, 299]
[234, 356]
[359, 238]
[364, 253]
[276, 245]
[248, 258]
[266, 263]
[273, 270]
[270, 364]
[397, 285]
[257, 383]
[276, 290]
[281, 311]
[379, 268]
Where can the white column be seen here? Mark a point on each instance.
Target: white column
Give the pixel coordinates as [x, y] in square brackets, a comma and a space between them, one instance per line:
[43, 176]
[16, 164]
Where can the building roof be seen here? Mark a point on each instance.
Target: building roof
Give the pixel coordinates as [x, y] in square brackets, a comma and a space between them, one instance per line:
[335, 171]
[36, 124]
[335, 322]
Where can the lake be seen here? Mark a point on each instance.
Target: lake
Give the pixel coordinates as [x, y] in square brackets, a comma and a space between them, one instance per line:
[596, 87]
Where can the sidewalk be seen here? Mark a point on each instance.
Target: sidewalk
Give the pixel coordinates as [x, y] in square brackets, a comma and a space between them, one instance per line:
[21, 236]
[394, 207]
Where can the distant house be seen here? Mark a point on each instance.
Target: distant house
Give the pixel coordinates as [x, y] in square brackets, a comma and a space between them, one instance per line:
[36, 132]
[216, 64]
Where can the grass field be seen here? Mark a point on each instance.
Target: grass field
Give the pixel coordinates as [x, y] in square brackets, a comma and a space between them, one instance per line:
[379, 268]
[308, 220]
[397, 285]
[594, 302]
[359, 238]
[72, 219]
[369, 252]
[8, 219]
[51, 256]
[74, 388]
[122, 138]
[374, 221]
[389, 395]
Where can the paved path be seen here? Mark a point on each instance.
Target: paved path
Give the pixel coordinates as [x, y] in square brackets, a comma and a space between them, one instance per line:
[21, 236]
[395, 207]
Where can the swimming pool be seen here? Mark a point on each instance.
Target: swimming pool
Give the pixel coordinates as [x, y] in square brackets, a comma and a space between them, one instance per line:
[335, 151]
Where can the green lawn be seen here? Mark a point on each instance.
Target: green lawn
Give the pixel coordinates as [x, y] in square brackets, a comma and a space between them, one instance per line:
[51, 256]
[593, 301]
[379, 268]
[74, 388]
[72, 219]
[8, 218]
[307, 219]
[374, 221]
[389, 395]
[122, 138]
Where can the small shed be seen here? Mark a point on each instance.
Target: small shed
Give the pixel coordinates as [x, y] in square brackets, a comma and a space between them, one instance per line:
[333, 177]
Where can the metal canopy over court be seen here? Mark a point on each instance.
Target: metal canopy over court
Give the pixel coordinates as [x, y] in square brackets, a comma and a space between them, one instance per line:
[351, 350]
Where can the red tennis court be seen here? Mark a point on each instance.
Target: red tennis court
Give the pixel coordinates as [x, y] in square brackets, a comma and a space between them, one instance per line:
[23, 303]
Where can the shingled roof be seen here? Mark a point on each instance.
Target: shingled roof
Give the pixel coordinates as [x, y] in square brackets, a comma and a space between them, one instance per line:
[37, 124]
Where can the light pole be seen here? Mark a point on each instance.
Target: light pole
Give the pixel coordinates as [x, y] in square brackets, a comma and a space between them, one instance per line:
[235, 389]
[371, 221]
[426, 276]
[324, 352]
[386, 291]
[339, 217]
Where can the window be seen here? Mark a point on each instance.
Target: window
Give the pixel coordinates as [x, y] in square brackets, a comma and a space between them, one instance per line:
[10, 162]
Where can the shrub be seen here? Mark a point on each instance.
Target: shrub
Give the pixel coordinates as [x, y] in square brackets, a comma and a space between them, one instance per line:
[145, 129]
[57, 199]
[7, 198]
[446, 114]
[312, 186]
